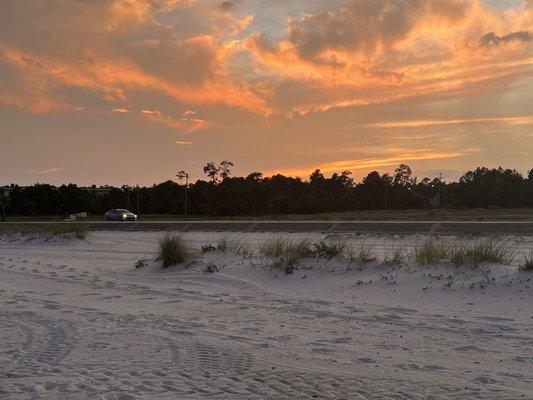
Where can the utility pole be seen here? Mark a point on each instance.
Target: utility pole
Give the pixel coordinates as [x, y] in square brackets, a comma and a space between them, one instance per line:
[138, 200]
[441, 182]
[386, 194]
[127, 190]
[184, 175]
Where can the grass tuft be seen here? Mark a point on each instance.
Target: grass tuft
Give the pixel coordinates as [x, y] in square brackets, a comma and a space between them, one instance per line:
[172, 249]
[528, 261]
[491, 251]
[395, 255]
[329, 250]
[235, 245]
[284, 253]
[432, 251]
[362, 254]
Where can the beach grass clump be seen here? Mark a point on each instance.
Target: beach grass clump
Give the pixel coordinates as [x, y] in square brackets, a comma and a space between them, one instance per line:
[172, 249]
[490, 251]
[234, 245]
[458, 254]
[284, 253]
[329, 250]
[527, 265]
[273, 249]
[432, 251]
[395, 255]
[362, 254]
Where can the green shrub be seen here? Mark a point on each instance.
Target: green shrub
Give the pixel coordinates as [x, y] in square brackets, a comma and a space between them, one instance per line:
[172, 249]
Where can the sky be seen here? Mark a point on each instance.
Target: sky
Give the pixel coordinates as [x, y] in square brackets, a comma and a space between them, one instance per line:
[132, 91]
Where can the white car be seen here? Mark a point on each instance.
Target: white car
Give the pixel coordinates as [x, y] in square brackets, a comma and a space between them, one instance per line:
[119, 214]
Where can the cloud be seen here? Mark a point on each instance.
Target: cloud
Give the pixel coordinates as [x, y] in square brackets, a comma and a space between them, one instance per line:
[114, 50]
[182, 142]
[193, 54]
[526, 120]
[491, 39]
[185, 124]
[228, 5]
[370, 52]
[120, 110]
[48, 171]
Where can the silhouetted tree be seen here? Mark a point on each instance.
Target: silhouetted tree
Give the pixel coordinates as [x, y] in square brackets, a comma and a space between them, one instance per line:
[278, 194]
[211, 171]
[225, 169]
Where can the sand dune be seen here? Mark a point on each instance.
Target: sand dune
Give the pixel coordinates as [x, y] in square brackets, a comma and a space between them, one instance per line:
[79, 321]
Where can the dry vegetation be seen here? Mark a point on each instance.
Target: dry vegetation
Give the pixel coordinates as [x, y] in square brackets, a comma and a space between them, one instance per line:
[173, 249]
[287, 254]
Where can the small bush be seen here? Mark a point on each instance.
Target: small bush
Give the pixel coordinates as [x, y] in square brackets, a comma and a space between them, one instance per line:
[432, 251]
[140, 264]
[329, 250]
[172, 249]
[528, 261]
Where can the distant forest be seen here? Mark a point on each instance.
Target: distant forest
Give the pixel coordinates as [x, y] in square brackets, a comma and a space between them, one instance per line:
[254, 195]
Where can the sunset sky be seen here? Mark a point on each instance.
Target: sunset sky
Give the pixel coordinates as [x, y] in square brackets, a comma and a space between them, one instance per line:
[131, 91]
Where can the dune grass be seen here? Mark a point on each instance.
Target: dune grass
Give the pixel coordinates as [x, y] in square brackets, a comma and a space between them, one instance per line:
[330, 250]
[395, 255]
[432, 251]
[482, 251]
[527, 265]
[172, 249]
[362, 254]
[285, 253]
[489, 250]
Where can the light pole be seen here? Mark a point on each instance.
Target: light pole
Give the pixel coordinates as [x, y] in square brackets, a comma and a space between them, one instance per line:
[184, 175]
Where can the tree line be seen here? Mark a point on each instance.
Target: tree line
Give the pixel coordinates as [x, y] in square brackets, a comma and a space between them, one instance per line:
[221, 194]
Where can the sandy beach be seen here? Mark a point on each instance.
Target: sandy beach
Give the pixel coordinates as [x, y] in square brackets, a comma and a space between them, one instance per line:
[78, 320]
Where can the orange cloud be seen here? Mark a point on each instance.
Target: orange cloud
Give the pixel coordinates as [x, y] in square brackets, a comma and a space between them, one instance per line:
[366, 53]
[526, 120]
[184, 124]
[363, 164]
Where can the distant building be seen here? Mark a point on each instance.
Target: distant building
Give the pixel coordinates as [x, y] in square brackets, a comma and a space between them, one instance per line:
[100, 190]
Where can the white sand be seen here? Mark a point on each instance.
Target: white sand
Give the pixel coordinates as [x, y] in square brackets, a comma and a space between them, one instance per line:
[78, 321]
